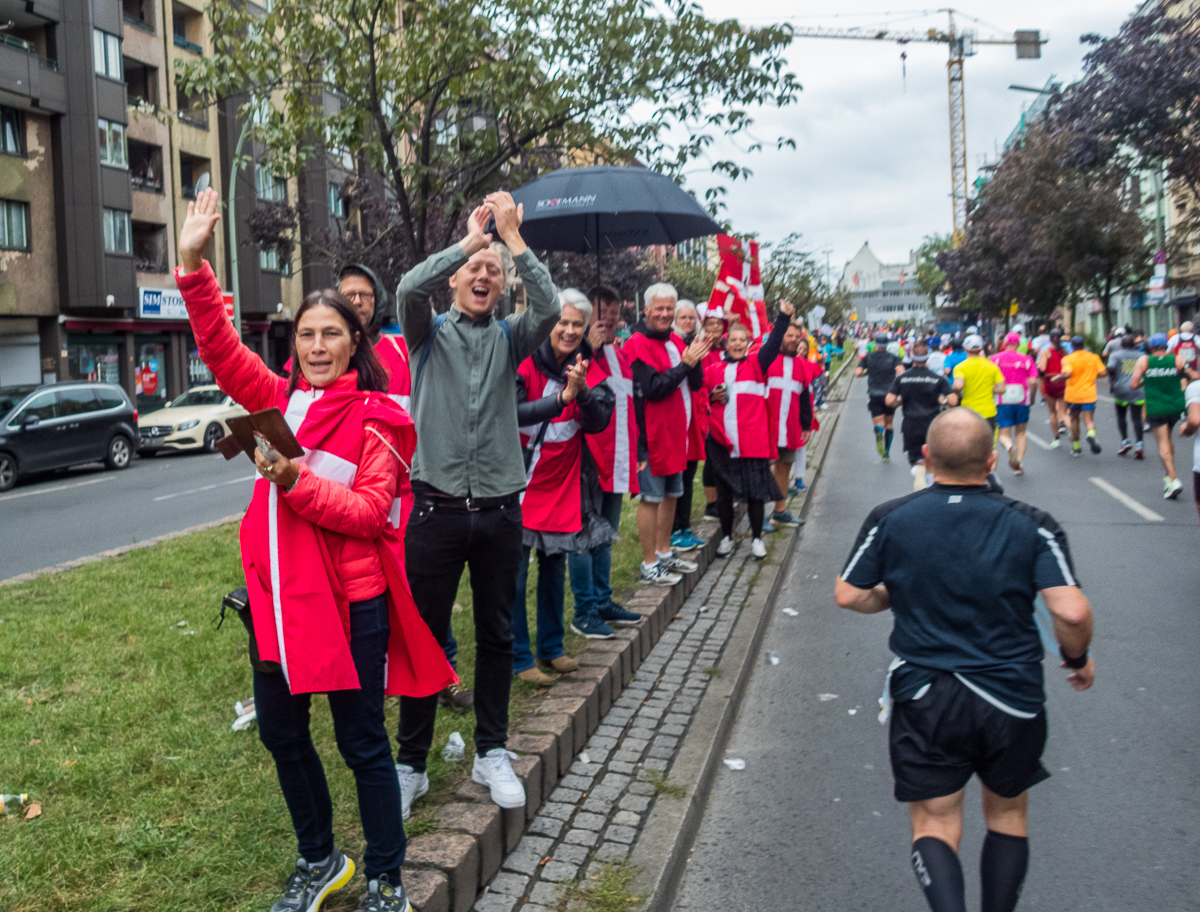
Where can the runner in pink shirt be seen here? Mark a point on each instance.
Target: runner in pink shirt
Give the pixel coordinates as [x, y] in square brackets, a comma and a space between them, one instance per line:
[1012, 406]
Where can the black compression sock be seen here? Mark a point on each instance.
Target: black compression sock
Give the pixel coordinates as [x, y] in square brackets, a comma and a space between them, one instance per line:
[939, 874]
[887, 440]
[1002, 867]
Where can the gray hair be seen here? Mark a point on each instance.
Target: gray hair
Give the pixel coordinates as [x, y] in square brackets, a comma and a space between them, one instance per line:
[684, 304]
[660, 290]
[578, 300]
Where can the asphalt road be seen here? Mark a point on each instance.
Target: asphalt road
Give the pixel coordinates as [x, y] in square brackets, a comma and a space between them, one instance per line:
[54, 517]
[810, 823]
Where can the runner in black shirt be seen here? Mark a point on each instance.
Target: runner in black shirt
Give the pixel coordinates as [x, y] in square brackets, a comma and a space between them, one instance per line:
[880, 367]
[960, 565]
[920, 392]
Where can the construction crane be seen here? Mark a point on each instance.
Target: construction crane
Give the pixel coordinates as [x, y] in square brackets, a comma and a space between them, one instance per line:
[962, 43]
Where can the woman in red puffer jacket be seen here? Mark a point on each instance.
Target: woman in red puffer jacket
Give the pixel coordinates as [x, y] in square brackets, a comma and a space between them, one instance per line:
[324, 569]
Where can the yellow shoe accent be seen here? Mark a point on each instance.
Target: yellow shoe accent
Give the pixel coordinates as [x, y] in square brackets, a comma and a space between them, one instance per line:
[336, 884]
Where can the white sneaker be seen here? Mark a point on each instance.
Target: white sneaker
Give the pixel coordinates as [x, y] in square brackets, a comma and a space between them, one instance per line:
[656, 574]
[1173, 490]
[1055, 443]
[676, 564]
[495, 771]
[726, 547]
[758, 549]
[412, 786]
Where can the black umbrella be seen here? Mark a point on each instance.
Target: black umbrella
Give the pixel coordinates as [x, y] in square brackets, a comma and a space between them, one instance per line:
[588, 210]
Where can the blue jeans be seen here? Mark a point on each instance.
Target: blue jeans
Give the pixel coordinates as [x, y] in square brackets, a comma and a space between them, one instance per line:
[552, 577]
[362, 739]
[590, 569]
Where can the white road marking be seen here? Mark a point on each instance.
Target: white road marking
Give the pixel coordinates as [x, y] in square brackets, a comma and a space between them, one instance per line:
[1118, 494]
[1036, 439]
[76, 484]
[219, 484]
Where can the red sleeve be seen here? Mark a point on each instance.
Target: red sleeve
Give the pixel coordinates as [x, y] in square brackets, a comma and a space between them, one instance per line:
[361, 511]
[239, 372]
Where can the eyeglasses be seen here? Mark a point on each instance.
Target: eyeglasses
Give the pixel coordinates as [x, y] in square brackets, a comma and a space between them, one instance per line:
[364, 296]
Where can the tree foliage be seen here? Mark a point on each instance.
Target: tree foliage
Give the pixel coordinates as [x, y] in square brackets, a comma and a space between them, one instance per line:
[693, 281]
[1044, 230]
[930, 277]
[630, 271]
[441, 102]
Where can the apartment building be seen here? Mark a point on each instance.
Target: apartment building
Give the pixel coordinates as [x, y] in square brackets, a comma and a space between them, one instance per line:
[100, 151]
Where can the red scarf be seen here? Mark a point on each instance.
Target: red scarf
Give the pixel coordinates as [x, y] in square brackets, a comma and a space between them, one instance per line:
[300, 609]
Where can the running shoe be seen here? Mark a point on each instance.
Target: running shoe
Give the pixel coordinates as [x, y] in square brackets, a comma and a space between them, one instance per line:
[758, 549]
[1018, 469]
[725, 548]
[786, 518]
[458, 697]
[412, 786]
[1125, 447]
[1055, 443]
[879, 440]
[683, 540]
[797, 487]
[1173, 489]
[593, 628]
[1093, 443]
[767, 527]
[887, 458]
[309, 885]
[711, 511]
[696, 539]
[619, 616]
[656, 575]
[1139, 451]
[381, 896]
[1075, 450]
[677, 564]
[495, 771]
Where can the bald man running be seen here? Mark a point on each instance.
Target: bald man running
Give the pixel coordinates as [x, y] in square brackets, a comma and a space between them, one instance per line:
[967, 682]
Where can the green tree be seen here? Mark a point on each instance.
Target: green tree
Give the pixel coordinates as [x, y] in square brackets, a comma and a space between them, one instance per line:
[693, 281]
[930, 277]
[790, 273]
[446, 101]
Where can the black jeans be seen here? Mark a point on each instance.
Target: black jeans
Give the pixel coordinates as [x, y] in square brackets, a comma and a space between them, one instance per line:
[361, 738]
[683, 505]
[440, 541]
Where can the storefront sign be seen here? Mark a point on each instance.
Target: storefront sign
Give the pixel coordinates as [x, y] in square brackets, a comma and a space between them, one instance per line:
[167, 304]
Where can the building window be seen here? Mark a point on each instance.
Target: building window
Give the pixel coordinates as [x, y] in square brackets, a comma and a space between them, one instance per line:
[117, 232]
[337, 205]
[12, 132]
[14, 225]
[106, 49]
[269, 187]
[269, 260]
[112, 144]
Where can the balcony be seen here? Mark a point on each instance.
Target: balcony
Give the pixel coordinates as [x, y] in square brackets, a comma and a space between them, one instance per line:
[24, 73]
[194, 175]
[187, 27]
[150, 247]
[181, 42]
[135, 13]
[141, 85]
[145, 167]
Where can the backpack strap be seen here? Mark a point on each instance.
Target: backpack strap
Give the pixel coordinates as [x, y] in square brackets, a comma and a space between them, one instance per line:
[438, 322]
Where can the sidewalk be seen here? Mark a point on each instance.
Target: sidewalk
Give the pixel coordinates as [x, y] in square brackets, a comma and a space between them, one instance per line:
[636, 791]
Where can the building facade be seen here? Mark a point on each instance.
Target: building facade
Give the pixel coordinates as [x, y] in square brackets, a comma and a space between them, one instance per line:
[884, 292]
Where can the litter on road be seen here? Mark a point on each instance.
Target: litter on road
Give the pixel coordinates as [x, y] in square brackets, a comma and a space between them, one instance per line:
[735, 764]
[773, 657]
[825, 698]
[455, 748]
[791, 612]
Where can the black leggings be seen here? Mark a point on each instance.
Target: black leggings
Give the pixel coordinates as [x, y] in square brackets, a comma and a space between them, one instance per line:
[683, 505]
[754, 509]
[1135, 410]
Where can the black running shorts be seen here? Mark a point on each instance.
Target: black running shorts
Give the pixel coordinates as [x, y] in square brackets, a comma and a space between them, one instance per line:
[877, 405]
[937, 742]
[915, 433]
[1163, 420]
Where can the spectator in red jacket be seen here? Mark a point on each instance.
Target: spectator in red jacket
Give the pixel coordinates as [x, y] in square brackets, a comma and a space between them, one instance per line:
[664, 372]
[324, 569]
[682, 537]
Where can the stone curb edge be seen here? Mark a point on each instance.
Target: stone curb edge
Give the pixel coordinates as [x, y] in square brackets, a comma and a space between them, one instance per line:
[662, 848]
[116, 552]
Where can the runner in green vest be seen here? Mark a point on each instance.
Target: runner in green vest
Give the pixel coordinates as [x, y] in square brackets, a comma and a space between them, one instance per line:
[1161, 373]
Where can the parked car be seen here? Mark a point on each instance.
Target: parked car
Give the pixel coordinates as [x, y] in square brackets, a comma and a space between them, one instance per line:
[59, 425]
[194, 421]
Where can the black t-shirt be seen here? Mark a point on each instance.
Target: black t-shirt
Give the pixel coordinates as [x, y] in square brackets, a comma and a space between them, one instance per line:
[919, 389]
[962, 566]
[881, 367]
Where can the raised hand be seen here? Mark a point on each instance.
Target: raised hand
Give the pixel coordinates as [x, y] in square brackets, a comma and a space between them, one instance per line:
[509, 216]
[576, 379]
[700, 347]
[476, 238]
[787, 308]
[596, 335]
[203, 213]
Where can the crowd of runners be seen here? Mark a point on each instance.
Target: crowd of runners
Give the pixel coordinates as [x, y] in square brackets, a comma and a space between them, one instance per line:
[1153, 383]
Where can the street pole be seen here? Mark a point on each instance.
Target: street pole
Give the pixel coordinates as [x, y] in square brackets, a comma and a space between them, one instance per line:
[231, 205]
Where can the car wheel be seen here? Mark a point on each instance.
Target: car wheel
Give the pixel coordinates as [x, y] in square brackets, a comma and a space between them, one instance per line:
[8, 471]
[119, 452]
[212, 434]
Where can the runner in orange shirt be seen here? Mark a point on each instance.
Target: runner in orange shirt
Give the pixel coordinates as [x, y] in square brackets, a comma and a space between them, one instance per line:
[1080, 369]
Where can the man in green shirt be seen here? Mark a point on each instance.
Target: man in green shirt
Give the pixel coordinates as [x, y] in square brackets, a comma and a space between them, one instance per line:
[1162, 373]
[468, 473]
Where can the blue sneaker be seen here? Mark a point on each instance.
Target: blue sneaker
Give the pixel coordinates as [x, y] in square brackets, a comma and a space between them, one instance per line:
[786, 518]
[592, 627]
[618, 615]
[797, 487]
[695, 539]
[683, 540]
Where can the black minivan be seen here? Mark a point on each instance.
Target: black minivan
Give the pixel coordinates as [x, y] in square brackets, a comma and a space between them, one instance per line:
[64, 424]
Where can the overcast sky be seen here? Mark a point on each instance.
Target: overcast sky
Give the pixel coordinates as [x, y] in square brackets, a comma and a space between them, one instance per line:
[872, 158]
